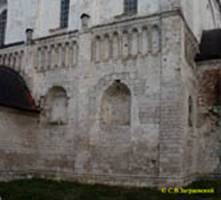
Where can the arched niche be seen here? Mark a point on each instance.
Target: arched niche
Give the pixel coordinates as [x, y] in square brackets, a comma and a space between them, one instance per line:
[56, 106]
[125, 44]
[145, 41]
[106, 47]
[115, 46]
[155, 39]
[116, 105]
[97, 49]
[134, 42]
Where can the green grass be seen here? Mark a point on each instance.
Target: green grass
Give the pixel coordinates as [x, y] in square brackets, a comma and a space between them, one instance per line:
[38, 189]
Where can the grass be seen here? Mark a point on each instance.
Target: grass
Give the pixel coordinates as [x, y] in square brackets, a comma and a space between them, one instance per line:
[38, 189]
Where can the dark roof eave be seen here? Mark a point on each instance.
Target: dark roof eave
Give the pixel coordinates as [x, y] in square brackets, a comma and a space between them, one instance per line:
[12, 45]
[30, 110]
[200, 58]
[210, 46]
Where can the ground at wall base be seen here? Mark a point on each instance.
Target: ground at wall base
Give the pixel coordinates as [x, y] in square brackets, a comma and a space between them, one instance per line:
[39, 189]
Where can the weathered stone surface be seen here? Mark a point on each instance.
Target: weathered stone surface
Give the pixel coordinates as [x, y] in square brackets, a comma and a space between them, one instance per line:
[114, 96]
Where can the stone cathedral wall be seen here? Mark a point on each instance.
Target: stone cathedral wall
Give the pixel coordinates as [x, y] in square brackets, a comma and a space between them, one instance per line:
[77, 79]
[114, 104]
[23, 14]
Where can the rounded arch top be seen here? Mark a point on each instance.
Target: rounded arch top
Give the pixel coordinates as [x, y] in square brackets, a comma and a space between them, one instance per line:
[118, 86]
[57, 89]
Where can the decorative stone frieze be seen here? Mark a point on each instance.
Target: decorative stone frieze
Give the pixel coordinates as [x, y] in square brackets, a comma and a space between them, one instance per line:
[57, 55]
[13, 58]
[125, 43]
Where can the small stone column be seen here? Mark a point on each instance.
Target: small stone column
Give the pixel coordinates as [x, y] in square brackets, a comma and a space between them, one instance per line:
[85, 21]
[29, 36]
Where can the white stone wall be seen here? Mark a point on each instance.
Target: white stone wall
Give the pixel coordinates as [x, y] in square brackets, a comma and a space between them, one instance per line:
[48, 17]
[201, 15]
[152, 56]
[22, 14]
[44, 15]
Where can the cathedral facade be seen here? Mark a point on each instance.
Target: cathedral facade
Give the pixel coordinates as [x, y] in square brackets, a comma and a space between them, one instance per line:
[119, 92]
